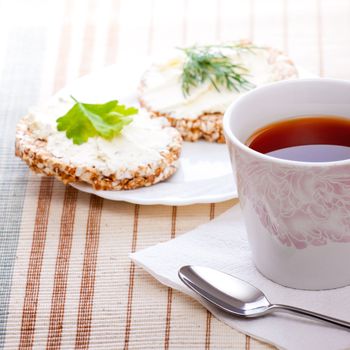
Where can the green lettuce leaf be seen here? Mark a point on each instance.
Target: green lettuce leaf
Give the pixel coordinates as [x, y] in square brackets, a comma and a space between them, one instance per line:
[86, 120]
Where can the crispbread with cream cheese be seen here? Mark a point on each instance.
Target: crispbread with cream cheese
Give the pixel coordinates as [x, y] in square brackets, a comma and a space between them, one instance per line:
[145, 153]
[199, 115]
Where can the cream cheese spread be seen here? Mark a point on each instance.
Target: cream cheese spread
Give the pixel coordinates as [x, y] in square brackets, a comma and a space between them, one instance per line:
[161, 90]
[139, 144]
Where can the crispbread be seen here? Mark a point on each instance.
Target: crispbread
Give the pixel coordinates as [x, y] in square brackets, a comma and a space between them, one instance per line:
[34, 152]
[208, 124]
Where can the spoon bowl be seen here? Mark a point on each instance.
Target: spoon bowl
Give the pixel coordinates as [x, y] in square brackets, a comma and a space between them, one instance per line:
[225, 291]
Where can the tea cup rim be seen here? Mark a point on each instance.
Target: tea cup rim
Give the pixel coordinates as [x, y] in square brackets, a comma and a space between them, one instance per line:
[242, 98]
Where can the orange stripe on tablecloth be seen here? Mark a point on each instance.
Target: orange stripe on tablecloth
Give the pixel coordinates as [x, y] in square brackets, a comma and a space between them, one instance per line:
[208, 330]
[168, 319]
[170, 291]
[212, 211]
[89, 270]
[209, 315]
[113, 31]
[319, 37]
[247, 342]
[35, 264]
[131, 280]
[61, 270]
[69, 206]
[89, 39]
[173, 222]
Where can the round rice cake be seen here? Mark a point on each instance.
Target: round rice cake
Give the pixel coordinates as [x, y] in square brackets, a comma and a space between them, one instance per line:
[145, 153]
[199, 114]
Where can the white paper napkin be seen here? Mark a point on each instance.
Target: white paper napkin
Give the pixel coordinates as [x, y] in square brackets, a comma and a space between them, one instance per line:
[222, 244]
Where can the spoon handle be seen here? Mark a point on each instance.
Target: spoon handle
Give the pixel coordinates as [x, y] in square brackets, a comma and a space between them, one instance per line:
[311, 314]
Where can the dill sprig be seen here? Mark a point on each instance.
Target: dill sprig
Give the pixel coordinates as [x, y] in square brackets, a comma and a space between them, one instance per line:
[209, 63]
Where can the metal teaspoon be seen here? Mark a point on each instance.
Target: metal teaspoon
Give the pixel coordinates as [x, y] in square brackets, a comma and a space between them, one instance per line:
[238, 297]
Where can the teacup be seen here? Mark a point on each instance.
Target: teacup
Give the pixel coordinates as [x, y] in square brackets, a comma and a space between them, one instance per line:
[297, 214]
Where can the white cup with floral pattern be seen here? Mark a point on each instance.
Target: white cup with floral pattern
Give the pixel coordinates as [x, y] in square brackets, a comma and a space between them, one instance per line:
[297, 214]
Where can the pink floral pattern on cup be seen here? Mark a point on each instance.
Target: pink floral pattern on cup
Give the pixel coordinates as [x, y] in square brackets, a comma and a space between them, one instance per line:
[300, 205]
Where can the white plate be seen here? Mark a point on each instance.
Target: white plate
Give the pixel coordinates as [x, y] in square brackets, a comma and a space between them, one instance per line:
[204, 175]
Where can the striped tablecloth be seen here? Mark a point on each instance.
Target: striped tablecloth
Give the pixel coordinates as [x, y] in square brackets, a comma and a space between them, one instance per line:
[65, 277]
